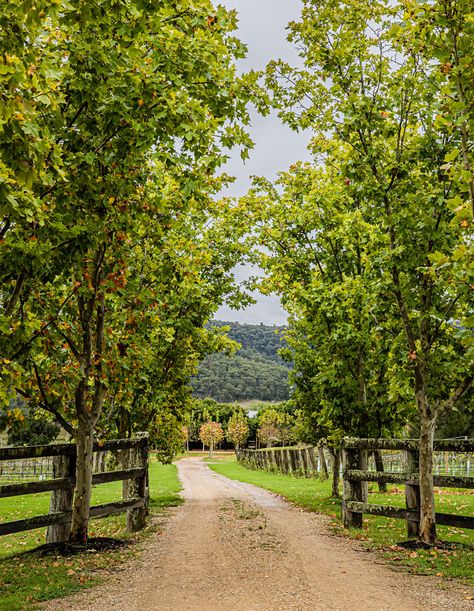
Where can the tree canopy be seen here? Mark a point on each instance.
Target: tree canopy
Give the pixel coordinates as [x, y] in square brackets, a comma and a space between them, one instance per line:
[117, 117]
[370, 246]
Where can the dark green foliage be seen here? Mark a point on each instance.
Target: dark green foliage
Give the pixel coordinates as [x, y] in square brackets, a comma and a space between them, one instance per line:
[256, 371]
[32, 431]
[263, 339]
[457, 423]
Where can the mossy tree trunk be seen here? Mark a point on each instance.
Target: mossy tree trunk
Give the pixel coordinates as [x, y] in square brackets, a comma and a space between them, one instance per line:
[89, 399]
[427, 532]
[82, 492]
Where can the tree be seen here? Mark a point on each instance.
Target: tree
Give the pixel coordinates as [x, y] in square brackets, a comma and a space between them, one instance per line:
[372, 102]
[318, 250]
[211, 434]
[148, 96]
[32, 429]
[237, 430]
[267, 431]
[204, 410]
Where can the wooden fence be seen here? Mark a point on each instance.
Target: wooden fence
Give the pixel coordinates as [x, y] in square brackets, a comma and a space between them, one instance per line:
[295, 461]
[29, 469]
[133, 455]
[356, 477]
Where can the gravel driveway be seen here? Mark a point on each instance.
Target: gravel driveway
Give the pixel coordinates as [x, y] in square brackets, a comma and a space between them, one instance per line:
[234, 546]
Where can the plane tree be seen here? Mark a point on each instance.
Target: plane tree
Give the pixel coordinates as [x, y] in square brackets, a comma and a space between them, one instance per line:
[148, 96]
[372, 103]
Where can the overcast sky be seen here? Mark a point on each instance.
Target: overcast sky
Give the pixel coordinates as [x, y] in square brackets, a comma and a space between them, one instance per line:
[262, 26]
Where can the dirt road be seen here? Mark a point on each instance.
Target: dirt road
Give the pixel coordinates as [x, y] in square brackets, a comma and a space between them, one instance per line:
[234, 546]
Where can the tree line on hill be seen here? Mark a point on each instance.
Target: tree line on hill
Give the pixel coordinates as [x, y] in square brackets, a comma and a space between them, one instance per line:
[255, 371]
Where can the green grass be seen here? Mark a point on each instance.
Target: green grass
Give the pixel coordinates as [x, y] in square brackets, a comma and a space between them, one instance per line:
[381, 534]
[28, 579]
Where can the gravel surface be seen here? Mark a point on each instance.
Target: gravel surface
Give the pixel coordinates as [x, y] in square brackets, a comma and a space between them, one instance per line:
[235, 546]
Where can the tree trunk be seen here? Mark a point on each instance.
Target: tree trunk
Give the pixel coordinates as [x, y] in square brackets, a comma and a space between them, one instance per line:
[428, 512]
[379, 467]
[211, 449]
[336, 462]
[323, 464]
[82, 492]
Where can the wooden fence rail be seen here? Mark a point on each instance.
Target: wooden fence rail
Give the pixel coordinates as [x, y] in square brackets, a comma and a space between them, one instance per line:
[134, 457]
[297, 461]
[356, 477]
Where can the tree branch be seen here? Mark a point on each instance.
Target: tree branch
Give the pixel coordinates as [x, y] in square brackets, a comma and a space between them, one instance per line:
[458, 393]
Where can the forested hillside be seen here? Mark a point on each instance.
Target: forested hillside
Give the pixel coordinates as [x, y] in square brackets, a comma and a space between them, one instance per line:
[255, 372]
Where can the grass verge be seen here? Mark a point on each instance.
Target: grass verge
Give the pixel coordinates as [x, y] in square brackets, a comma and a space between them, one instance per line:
[378, 533]
[27, 579]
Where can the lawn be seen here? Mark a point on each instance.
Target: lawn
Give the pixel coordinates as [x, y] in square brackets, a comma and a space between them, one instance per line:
[378, 533]
[26, 579]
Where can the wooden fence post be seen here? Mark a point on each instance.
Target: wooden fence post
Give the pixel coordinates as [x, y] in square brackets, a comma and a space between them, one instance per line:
[271, 460]
[293, 460]
[138, 458]
[353, 490]
[61, 500]
[285, 466]
[412, 492]
[304, 459]
[278, 460]
[312, 461]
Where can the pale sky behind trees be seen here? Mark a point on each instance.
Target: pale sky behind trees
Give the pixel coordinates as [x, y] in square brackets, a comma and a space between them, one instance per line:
[262, 26]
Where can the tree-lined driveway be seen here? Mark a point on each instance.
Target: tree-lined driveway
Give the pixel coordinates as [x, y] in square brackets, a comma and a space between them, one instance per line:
[234, 546]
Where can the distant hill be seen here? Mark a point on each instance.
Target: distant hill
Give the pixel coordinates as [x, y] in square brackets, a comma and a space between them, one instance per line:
[255, 372]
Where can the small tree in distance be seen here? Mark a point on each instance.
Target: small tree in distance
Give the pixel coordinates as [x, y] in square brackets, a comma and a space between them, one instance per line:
[32, 429]
[211, 434]
[268, 432]
[237, 430]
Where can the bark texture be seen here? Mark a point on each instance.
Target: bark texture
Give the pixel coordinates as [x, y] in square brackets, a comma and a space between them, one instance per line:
[82, 493]
[428, 512]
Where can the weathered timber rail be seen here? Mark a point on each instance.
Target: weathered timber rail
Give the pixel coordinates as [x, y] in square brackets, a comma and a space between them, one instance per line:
[356, 477]
[295, 461]
[134, 456]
